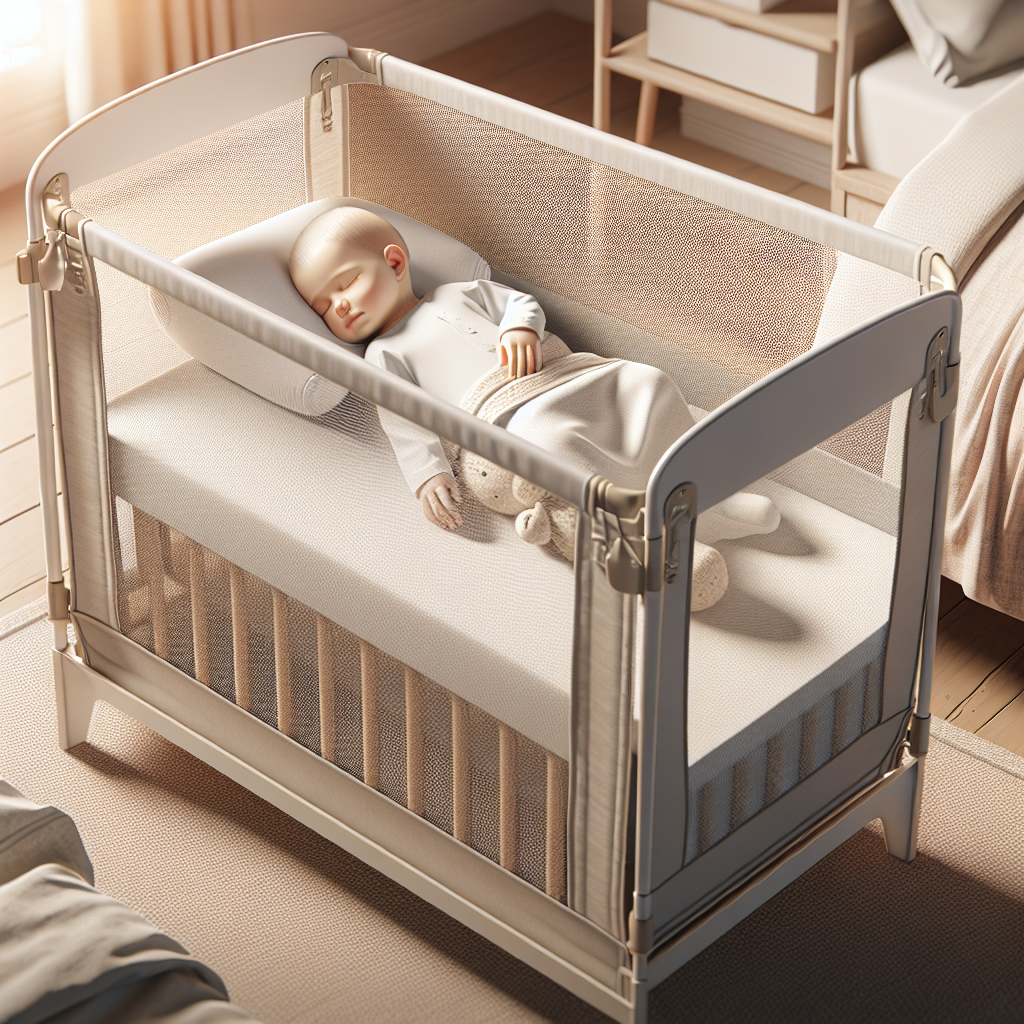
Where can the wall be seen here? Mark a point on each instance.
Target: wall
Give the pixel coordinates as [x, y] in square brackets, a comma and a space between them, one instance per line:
[414, 30]
[630, 15]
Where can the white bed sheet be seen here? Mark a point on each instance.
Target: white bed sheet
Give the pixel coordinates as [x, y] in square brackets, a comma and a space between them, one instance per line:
[315, 507]
[899, 111]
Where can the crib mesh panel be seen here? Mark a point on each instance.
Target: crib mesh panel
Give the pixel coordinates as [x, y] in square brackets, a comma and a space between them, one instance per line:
[747, 294]
[174, 203]
[786, 670]
[744, 296]
[401, 733]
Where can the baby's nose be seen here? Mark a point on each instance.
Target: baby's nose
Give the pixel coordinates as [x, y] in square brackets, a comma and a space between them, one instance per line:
[342, 305]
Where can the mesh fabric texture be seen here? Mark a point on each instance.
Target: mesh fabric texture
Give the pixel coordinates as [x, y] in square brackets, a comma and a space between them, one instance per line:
[342, 698]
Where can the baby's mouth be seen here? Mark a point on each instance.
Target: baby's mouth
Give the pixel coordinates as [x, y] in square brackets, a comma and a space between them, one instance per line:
[352, 319]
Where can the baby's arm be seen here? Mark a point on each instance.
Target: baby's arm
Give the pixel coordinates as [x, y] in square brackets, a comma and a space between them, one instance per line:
[419, 452]
[521, 324]
[425, 468]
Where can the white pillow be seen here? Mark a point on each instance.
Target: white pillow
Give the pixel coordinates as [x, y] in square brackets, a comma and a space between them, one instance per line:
[253, 263]
[960, 40]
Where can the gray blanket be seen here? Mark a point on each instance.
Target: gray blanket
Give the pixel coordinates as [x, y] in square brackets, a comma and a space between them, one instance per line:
[71, 955]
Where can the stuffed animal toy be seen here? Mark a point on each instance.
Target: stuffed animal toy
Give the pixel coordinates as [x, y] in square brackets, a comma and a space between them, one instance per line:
[543, 518]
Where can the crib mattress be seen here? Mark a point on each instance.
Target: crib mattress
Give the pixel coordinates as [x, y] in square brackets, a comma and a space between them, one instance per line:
[314, 507]
[899, 112]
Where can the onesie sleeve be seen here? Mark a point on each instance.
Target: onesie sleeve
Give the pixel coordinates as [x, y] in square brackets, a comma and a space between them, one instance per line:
[505, 306]
[418, 451]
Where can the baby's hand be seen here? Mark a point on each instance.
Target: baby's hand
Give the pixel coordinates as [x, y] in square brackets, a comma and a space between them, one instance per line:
[520, 349]
[439, 496]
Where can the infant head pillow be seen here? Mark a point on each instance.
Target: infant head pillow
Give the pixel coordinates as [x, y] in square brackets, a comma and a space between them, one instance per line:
[253, 263]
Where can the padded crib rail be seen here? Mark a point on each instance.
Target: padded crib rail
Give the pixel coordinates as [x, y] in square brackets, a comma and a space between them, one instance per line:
[228, 89]
[792, 215]
[337, 365]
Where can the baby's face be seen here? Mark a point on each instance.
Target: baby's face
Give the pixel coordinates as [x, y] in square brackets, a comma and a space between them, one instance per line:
[356, 292]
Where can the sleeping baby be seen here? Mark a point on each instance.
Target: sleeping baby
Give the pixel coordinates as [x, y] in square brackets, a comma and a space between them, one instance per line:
[483, 346]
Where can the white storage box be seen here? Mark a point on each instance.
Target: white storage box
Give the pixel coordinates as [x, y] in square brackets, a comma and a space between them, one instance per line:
[781, 71]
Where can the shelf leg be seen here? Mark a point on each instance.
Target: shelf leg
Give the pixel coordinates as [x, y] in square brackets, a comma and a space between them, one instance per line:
[602, 76]
[647, 113]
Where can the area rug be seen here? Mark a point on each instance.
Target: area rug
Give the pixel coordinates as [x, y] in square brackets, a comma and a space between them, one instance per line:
[303, 933]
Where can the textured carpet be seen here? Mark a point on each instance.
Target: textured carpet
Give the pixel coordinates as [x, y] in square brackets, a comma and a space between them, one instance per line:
[303, 933]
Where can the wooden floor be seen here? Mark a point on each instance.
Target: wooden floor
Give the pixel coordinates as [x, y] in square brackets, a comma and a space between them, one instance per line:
[978, 683]
[21, 527]
[979, 662]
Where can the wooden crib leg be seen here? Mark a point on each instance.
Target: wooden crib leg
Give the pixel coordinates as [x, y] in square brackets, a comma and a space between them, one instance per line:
[200, 618]
[554, 860]
[325, 677]
[240, 640]
[283, 663]
[508, 826]
[460, 769]
[149, 551]
[414, 741]
[369, 658]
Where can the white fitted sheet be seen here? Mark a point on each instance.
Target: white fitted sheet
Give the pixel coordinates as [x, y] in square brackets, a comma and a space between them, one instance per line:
[314, 507]
[899, 111]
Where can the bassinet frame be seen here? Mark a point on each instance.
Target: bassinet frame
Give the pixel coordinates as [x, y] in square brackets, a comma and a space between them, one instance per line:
[916, 344]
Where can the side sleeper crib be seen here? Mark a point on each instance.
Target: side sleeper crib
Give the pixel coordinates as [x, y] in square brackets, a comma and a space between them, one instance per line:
[473, 716]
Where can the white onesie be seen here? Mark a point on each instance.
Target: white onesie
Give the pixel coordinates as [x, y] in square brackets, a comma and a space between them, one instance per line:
[444, 346]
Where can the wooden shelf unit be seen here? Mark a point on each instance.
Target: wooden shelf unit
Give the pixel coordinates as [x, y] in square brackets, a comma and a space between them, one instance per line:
[856, 31]
[630, 58]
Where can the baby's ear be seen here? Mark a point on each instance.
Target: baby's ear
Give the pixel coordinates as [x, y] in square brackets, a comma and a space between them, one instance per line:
[394, 256]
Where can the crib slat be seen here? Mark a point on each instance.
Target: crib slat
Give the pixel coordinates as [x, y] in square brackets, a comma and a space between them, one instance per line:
[460, 769]
[508, 814]
[200, 617]
[414, 741]
[240, 640]
[283, 664]
[325, 678]
[554, 853]
[369, 660]
[149, 551]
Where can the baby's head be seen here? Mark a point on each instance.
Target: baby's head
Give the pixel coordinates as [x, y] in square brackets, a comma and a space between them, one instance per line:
[352, 268]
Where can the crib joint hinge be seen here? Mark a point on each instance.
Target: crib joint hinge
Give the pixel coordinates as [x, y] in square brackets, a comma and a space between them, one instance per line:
[58, 601]
[919, 735]
[44, 262]
[359, 66]
[641, 935]
[941, 401]
[622, 512]
[49, 260]
[680, 509]
[28, 261]
[366, 59]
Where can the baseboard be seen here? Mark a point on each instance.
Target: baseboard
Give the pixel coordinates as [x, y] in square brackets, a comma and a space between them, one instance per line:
[770, 147]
